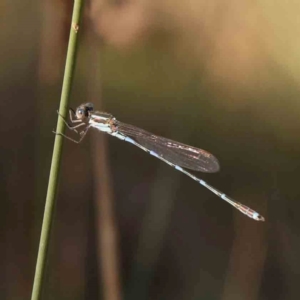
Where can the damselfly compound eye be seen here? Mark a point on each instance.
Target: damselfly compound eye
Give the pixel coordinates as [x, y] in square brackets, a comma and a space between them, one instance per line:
[80, 113]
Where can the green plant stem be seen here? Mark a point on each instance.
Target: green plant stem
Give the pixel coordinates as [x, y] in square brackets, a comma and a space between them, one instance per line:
[57, 152]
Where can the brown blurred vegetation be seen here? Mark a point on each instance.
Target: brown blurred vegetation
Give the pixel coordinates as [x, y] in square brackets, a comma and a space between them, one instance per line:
[220, 75]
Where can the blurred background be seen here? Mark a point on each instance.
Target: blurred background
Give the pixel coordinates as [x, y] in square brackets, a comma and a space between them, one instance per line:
[218, 75]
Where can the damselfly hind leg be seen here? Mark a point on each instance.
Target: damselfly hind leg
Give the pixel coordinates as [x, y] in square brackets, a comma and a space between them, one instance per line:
[82, 135]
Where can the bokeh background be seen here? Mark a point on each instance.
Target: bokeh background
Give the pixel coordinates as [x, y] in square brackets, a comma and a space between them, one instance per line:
[220, 75]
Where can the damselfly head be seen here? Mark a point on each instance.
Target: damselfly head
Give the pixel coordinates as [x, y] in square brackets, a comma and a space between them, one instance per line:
[83, 111]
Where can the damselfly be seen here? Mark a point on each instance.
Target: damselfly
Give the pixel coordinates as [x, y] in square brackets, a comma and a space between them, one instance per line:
[173, 153]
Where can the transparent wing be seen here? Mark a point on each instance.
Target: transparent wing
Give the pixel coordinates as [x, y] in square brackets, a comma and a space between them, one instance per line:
[177, 153]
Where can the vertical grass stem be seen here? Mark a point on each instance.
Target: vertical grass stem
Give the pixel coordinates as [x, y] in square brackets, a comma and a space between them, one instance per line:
[57, 152]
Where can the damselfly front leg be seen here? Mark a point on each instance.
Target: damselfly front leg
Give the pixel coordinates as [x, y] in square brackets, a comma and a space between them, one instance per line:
[73, 128]
[72, 120]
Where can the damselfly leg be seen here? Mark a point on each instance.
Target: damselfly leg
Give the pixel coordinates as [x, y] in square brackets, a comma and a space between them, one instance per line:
[73, 128]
